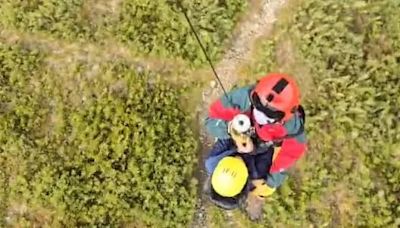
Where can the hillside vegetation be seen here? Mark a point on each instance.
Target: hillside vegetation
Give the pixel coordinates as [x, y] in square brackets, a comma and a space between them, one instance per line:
[147, 27]
[103, 150]
[346, 56]
[97, 111]
[88, 135]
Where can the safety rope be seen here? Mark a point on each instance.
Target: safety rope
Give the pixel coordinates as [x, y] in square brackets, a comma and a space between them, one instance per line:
[203, 49]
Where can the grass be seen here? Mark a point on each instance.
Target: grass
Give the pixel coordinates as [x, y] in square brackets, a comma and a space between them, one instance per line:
[341, 180]
[75, 63]
[349, 176]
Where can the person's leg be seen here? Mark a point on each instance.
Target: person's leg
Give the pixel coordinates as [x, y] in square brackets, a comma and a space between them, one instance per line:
[252, 204]
[220, 149]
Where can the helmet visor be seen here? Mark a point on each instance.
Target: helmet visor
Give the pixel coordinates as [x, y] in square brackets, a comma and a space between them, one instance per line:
[268, 111]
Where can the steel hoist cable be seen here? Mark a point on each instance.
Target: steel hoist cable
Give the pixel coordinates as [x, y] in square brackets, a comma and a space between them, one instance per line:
[184, 11]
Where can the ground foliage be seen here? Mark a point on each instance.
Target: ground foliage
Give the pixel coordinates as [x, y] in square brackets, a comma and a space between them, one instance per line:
[114, 148]
[350, 50]
[213, 20]
[118, 150]
[152, 27]
[94, 142]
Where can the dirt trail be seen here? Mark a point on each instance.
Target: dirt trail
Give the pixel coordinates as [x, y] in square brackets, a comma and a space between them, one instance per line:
[255, 25]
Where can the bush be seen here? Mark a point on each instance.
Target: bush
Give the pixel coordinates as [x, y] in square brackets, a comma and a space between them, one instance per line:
[122, 154]
[166, 32]
[351, 174]
[63, 18]
[150, 27]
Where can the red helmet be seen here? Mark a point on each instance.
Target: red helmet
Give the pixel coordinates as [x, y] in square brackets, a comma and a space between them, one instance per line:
[277, 96]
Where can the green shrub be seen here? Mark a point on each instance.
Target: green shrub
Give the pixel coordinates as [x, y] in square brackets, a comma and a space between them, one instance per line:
[166, 32]
[351, 175]
[157, 28]
[63, 18]
[122, 154]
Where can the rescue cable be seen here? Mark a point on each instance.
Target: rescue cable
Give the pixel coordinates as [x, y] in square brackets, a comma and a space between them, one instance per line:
[204, 50]
[184, 11]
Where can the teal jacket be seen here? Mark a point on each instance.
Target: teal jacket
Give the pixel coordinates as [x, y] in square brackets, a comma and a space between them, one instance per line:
[291, 148]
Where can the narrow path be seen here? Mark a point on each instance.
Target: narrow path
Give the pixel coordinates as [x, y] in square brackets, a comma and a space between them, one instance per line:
[258, 24]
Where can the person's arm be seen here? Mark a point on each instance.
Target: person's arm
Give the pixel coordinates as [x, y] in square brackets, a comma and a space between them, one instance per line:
[285, 156]
[291, 148]
[225, 109]
[274, 180]
[217, 128]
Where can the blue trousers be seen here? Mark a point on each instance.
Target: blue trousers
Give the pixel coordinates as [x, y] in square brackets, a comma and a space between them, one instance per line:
[257, 164]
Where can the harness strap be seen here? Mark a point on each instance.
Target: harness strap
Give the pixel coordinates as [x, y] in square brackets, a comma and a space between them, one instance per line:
[300, 109]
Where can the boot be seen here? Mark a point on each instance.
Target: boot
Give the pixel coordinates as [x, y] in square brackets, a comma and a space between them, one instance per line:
[254, 206]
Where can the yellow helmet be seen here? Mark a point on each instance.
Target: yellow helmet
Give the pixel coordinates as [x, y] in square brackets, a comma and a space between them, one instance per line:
[229, 177]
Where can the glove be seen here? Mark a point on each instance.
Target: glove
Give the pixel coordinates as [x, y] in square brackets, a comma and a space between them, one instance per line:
[261, 189]
[243, 142]
[270, 132]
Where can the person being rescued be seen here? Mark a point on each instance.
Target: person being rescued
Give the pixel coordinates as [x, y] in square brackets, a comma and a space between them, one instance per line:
[259, 131]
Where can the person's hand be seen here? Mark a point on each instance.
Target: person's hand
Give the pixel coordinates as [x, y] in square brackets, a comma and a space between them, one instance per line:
[270, 132]
[243, 142]
[261, 188]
